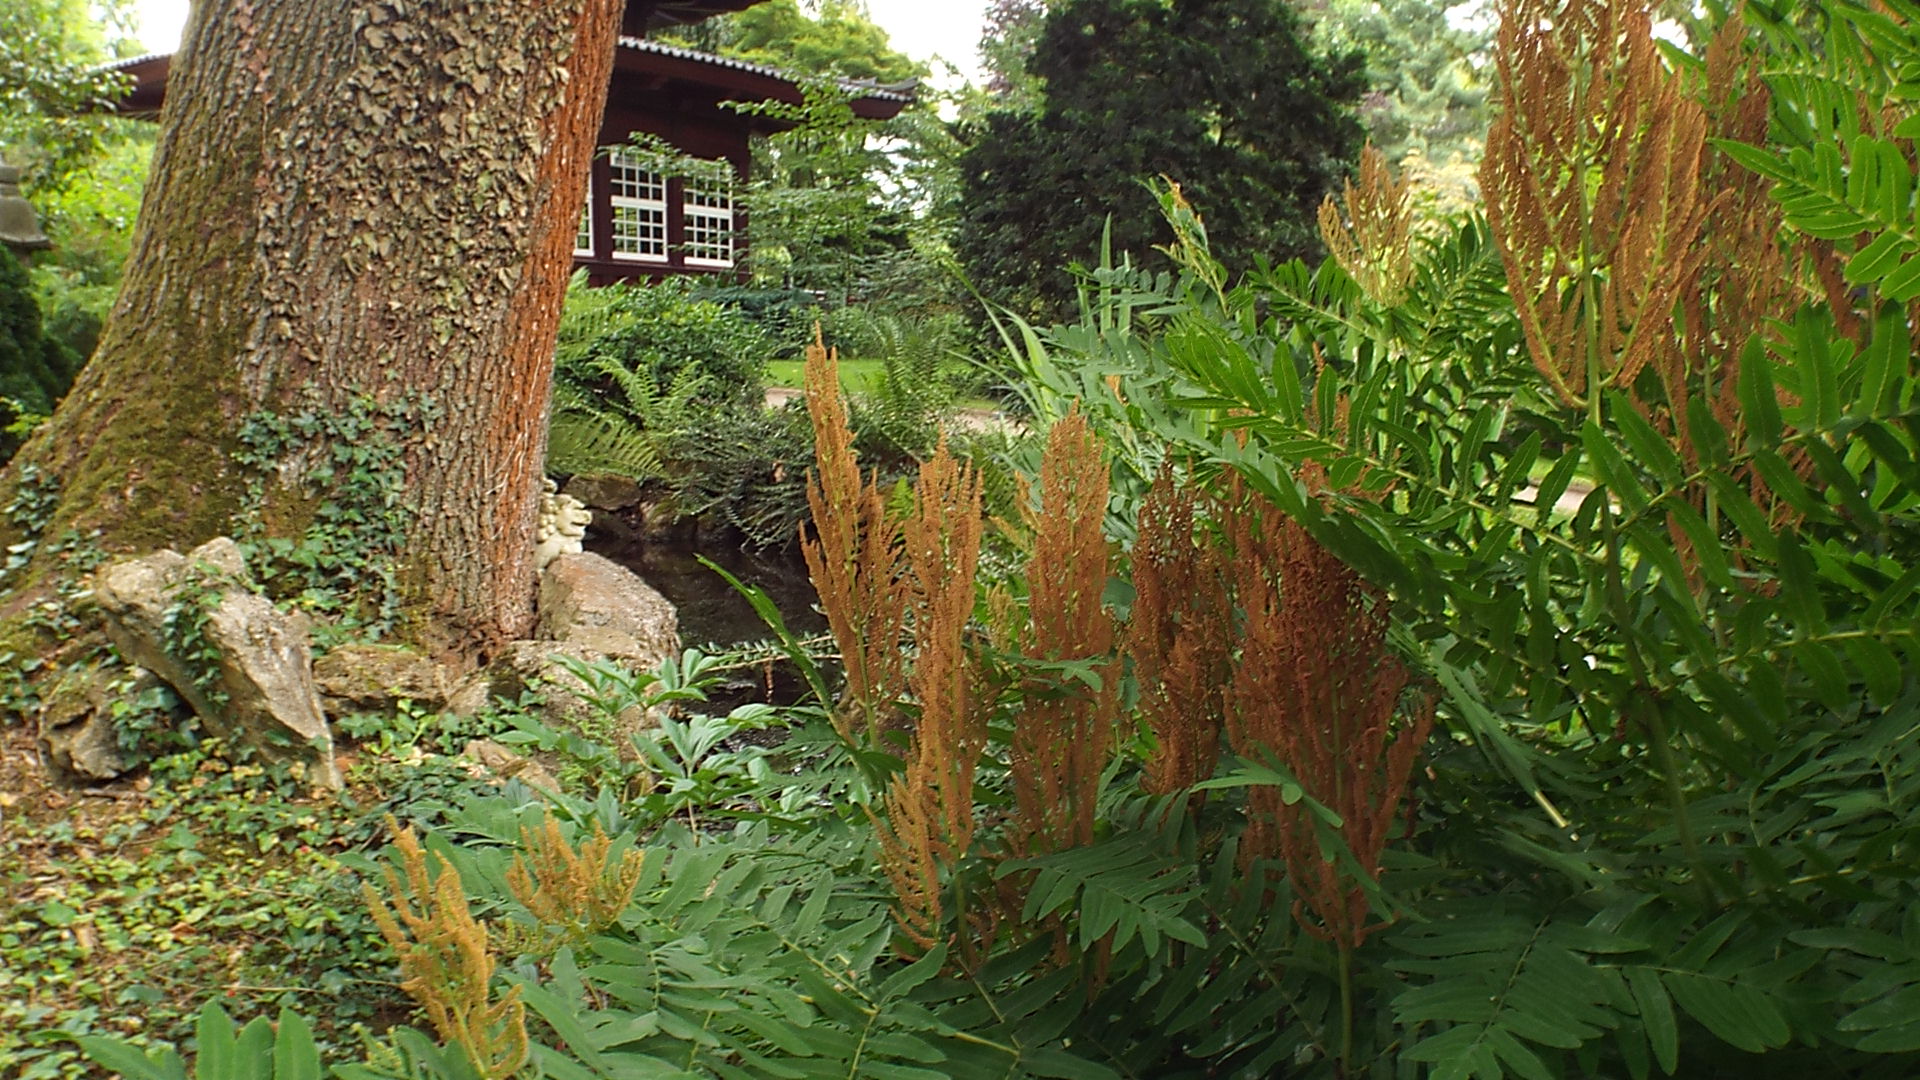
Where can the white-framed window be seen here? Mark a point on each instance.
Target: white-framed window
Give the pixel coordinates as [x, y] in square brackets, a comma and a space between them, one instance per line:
[583, 239]
[707, 217]
[639, 201]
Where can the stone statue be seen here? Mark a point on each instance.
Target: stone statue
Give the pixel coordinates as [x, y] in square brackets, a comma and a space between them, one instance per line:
[19, 227]
[562, 525]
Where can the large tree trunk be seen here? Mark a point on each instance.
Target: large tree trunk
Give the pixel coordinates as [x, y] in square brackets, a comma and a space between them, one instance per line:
[371, 199]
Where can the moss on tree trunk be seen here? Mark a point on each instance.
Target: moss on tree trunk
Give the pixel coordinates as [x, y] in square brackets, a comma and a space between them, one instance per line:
[372, 199]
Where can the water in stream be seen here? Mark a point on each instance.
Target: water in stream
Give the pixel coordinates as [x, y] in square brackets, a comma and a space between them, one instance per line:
[713, 616]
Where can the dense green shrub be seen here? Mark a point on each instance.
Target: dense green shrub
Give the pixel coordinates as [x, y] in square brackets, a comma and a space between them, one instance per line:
[637, 367]
[35, 370]
[745, 469]
[1224, 97]
[663, 334]
[785, 316]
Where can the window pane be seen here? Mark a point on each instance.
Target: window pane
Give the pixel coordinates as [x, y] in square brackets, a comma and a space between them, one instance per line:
[707, 215]
[639, 201]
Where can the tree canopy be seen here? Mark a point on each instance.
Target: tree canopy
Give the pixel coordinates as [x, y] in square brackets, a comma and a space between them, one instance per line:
[840, 40]
[1425, 89]
[1223, 97]
[50, 83]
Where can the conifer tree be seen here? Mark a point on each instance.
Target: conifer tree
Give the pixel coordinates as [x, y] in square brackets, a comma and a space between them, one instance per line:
[1427, 73]
[1223, 96]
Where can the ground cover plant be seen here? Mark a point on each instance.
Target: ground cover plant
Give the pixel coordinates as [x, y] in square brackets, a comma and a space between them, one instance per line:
[1286, 722]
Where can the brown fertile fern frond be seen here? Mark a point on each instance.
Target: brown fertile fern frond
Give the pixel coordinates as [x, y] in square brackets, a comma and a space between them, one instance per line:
[1746, 285]
[854, 558]
[929, 806]
[1063, 736]
[1592, 179]
[444, 960]
[577, 892]
[1317, 687]
[1373, 239]
[1179, 637]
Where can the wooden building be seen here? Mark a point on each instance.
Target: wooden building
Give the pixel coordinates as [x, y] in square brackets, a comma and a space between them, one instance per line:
[638, 223]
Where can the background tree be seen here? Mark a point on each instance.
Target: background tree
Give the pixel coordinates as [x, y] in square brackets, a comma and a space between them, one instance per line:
[1224, 97]
[838, 39]
[34, 369]
[1425, 88]
[356, 211]
[51, 87]
[1007, 39]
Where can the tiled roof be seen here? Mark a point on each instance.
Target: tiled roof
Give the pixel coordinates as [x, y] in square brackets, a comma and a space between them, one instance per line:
[863, 87]
[131, 61]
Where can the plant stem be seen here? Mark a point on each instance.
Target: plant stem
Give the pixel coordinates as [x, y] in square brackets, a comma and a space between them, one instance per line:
[1346, 1009]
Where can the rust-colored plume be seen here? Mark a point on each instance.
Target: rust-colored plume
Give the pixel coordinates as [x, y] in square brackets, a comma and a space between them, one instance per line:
[1372, 239]
[854, 557]
[1317, 687]
[1063, 736]
[929, 806]
[1179, 637]
[1592, 177]
[445, 962]
[576, 891]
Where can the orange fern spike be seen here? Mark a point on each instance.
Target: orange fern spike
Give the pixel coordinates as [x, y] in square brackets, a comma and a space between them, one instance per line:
[1592, 182]
[1063, 737]
[1318, 687]
[445, 961]
[854, 558]
[929, 806]
[1179, 637]
[1373, 239]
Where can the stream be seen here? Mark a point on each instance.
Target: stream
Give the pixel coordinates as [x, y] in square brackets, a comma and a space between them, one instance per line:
[714, 617]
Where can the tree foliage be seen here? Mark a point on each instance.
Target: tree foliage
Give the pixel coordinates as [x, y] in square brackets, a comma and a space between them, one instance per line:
[35, 370]
[51, 88]
[837, 39]
[1223, 97]
[1426, 74]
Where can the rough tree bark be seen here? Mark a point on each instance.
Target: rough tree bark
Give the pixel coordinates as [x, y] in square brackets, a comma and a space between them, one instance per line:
[377, 198]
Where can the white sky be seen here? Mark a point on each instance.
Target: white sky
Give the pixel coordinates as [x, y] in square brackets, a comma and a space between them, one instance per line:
[922, 29]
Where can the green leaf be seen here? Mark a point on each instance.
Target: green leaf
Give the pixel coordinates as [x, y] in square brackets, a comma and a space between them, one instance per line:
[1656, 1016]
[1873, 262]
[1741, 1016]
[295, 1057]
[218, 1051]
[127, 1060]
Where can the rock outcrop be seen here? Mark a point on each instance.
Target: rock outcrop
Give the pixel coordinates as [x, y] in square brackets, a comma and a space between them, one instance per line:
[79, 738]
[590, 608]
[243, 665]
[376, 679]
[597, 604]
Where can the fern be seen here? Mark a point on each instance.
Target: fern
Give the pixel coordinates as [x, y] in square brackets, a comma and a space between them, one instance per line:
[587, 442]
[1118, 891]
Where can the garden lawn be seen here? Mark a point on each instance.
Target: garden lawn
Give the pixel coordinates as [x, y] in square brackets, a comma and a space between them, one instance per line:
[856, 376]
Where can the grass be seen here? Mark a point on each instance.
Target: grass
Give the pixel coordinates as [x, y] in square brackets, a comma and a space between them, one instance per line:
[856, 376]
[859, 377]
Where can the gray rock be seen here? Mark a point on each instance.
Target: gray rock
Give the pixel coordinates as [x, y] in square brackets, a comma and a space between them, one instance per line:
[535, 665]
[605, 491]
[508, 765]
[376, 678]
[78, 738]
[249, 674]
[528, 665]
[593, 602]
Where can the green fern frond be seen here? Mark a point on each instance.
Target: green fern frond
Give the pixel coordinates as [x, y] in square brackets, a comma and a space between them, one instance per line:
[581, 441]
